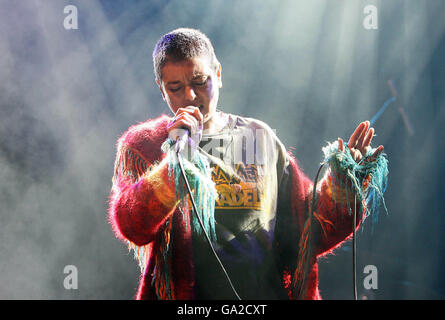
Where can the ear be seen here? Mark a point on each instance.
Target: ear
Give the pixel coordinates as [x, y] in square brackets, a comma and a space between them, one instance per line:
[161, 88]
[219, 76]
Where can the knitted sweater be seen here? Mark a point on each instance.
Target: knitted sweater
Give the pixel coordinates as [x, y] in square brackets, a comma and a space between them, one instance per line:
[143, 201]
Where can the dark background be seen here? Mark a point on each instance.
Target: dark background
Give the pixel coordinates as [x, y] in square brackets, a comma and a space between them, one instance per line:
[307, 68]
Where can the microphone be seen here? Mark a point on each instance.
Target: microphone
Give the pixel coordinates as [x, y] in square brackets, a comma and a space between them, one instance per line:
[185, 139]
[181, 141]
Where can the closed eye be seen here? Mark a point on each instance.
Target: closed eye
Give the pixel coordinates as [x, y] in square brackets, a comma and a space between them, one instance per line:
[201, 82]
[174, 89]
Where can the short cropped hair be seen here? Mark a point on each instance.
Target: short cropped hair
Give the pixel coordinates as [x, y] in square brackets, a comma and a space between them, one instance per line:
[182, 44]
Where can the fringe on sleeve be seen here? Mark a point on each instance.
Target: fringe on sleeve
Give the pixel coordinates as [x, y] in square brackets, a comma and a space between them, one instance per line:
[367, 180]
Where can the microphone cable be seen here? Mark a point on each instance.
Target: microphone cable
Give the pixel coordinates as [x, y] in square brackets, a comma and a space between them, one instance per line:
[354, 249]
[179, 157]
[354, 235]
[302, 287]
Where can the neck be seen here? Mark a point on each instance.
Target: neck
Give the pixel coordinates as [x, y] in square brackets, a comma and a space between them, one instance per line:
[215, 123]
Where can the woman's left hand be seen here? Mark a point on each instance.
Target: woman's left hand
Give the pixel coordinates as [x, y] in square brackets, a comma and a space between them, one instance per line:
[360, 142]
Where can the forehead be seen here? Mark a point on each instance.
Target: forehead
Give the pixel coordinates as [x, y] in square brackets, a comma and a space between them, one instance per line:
[189, 68]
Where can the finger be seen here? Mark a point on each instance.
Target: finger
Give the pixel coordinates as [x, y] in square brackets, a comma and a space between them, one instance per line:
[366, 150]
[192, 110]
[376, 153]
[171, 123]
[362, 136]
[368, 138]
[195, 123]
[191, 122]
[357, 132]
[184, 121]
[186, 109]
[197, 113]
[356, 155]
[341, 146]
[181, 114]
[180, 124]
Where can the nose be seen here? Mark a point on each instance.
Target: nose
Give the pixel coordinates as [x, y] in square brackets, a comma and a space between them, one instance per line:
[190, 94]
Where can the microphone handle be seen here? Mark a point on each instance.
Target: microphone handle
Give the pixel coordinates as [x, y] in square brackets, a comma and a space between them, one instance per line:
[181, 141]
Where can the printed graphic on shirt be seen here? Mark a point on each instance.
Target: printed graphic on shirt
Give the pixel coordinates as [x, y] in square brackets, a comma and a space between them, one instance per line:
[240, 191]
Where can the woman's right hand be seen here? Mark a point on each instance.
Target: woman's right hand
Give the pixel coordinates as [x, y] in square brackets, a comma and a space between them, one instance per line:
[187, 119]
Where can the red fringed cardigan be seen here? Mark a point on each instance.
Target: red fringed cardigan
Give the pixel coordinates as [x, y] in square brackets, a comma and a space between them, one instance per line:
[141, 201]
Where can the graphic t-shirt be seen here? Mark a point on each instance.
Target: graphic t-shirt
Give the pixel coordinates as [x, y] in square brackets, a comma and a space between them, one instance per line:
[248, 165]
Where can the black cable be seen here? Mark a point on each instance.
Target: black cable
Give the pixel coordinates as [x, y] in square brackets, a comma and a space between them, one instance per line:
[303, 283]
[202, 225]
[354, 252]
[354, 242]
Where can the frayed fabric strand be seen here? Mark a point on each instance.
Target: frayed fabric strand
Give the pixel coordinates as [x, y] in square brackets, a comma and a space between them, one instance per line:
[366, 179]
[198, 174]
